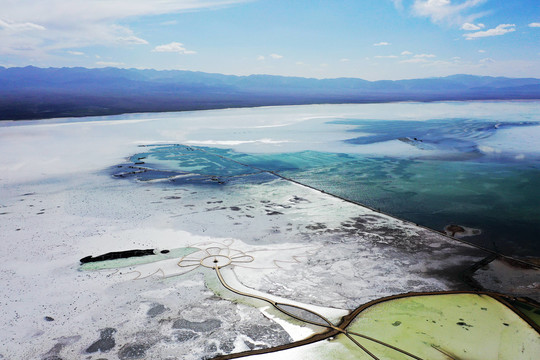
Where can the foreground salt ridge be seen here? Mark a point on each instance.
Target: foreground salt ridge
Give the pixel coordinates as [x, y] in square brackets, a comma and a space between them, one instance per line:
[57, 209]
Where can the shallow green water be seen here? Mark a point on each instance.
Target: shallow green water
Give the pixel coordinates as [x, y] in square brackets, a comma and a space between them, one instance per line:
[481, 172]
[464, 326]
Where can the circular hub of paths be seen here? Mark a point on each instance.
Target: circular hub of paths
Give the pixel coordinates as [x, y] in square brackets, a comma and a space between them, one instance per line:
[216, 260]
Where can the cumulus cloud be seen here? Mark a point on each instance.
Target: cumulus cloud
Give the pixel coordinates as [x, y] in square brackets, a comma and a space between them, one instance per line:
[481, 51]
[382, 43]
[344, 60]
[499, 30]
[535, 24]
[276, 56]
[445, 11]
[472, 27]
[175, 47]
[419, 56]
[406, 52]
[260, 58]
[76, 53]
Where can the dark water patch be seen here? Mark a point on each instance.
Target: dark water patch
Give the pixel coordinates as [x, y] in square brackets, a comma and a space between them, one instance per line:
[203, 326]
[156, 310]
[133, 351]
[105, 342]
[117, 255]
[184, 335]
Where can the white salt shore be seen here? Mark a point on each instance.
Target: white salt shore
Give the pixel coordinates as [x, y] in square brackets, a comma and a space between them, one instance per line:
[58, 204]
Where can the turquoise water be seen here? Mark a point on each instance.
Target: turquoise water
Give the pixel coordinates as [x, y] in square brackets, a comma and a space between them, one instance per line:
[472, 171]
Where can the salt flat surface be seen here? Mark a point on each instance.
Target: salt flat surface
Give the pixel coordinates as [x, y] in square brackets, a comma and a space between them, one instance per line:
[59, 204]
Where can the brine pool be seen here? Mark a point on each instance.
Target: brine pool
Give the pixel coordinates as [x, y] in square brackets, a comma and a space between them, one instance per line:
[476, 165]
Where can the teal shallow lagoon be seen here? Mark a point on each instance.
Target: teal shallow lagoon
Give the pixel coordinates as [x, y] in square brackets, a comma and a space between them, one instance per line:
[478, 171]
[499, 199]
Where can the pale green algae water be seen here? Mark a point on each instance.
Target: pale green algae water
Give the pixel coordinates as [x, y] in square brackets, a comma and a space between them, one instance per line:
[464, 326]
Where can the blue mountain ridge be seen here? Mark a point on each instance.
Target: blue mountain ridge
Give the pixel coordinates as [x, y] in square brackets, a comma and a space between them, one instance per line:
[31, 92]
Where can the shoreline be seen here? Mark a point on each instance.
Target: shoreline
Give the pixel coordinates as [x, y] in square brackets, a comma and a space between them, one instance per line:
[142, 113]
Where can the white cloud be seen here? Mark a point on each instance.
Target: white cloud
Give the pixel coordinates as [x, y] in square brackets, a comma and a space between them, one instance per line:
[173, 47]
[445, 11]
[109, 63]
[276, 56]
[14, 27]
[385, 57]
[132, 39]
[414, 61]
[169, 23]
[260, 58]
[66, 24]
[487, 61]
[300, 63]
[471, 27]
[535, 24]
[406, 52]
[481, 51]
[344, 60]
[398, 4]
[382, 43]
[77, 11]
[499, 30]
[76, 53]
[419, 56]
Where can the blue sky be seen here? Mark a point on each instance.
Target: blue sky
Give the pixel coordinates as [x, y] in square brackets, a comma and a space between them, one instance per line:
[369, 39]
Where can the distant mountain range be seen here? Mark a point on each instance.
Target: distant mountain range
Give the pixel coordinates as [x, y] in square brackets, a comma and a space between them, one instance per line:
[35, 93]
